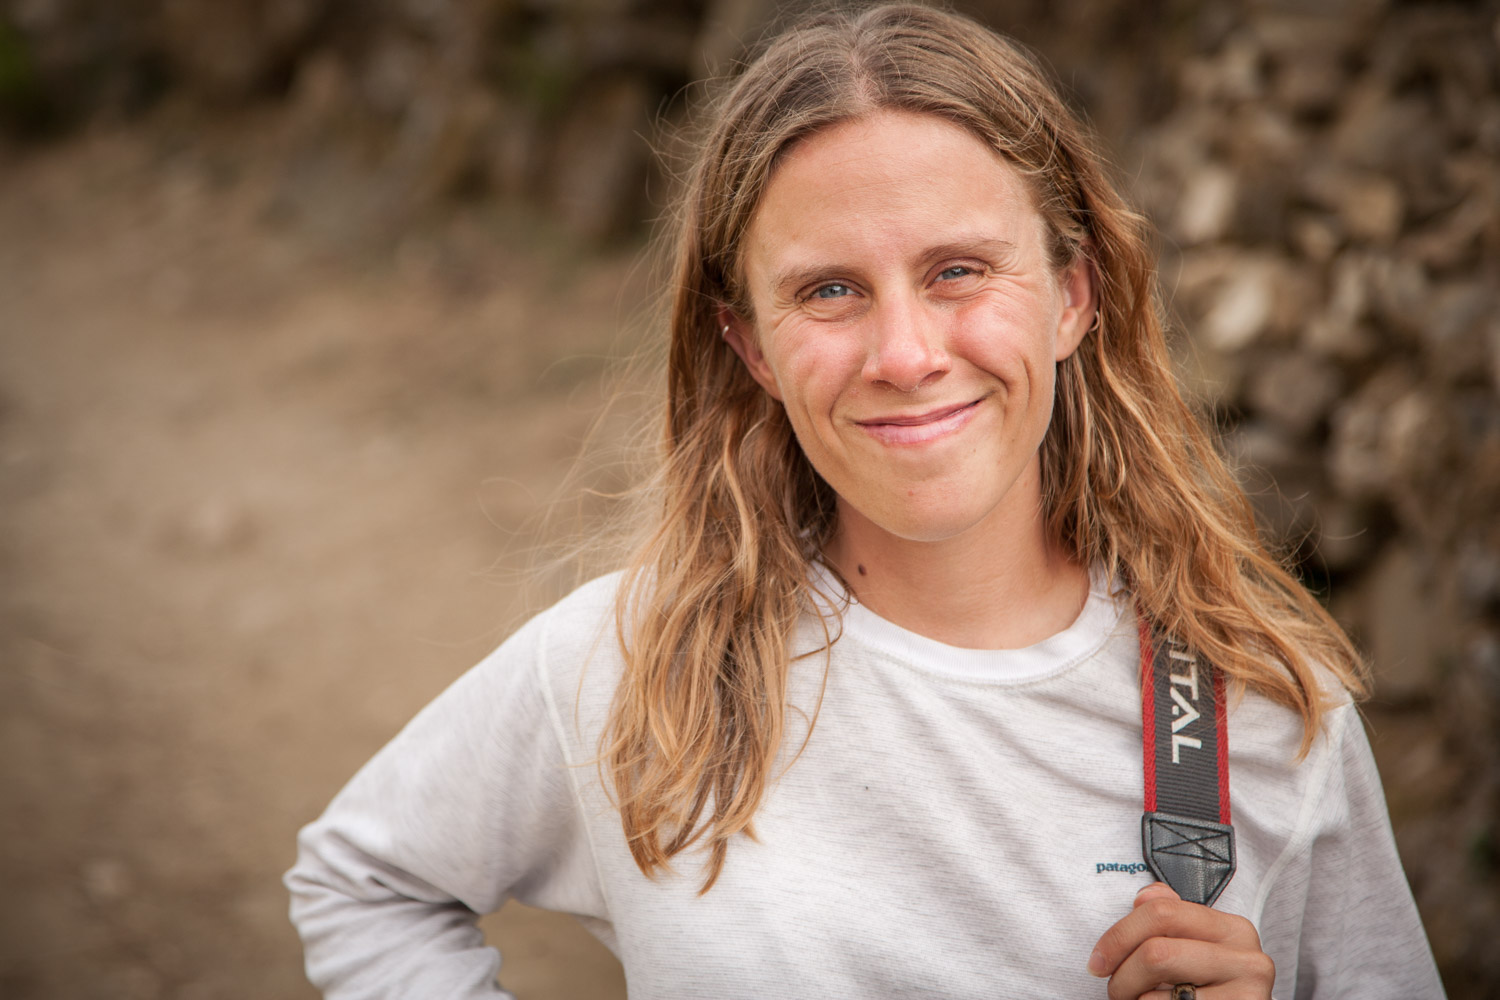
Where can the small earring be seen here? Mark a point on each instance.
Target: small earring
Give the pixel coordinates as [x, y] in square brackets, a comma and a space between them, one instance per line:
[724, 332]
[1098, 320]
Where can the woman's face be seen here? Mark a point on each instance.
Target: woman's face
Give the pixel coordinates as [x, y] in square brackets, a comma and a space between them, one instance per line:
[907, 317]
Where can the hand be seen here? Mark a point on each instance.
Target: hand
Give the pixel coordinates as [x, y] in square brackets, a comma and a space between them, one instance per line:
[1164, 941]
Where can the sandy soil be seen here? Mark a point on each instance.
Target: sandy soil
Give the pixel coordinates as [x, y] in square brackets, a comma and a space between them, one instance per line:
[263, 499]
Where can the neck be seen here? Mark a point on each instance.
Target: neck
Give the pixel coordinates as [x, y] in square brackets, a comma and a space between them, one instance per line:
[995, 586]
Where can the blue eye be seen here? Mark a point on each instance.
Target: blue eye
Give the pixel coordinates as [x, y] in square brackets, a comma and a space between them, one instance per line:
[956, 271]
[833, 291]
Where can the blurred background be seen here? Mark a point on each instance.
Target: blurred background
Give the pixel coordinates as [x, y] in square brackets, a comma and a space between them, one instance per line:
[307, 308]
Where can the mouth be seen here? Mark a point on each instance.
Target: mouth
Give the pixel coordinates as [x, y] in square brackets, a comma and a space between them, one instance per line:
[919, 428]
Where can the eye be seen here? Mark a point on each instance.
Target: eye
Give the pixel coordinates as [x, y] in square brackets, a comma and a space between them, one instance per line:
[833, 290]
[954, 272]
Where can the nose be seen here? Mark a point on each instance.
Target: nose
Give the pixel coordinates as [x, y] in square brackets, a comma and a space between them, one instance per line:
[906, 347]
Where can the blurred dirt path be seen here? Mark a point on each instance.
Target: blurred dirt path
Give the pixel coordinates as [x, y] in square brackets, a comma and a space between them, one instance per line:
[253, 498]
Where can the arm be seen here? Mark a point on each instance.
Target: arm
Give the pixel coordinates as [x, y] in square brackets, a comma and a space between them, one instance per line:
[1361, 936]
[470, 804]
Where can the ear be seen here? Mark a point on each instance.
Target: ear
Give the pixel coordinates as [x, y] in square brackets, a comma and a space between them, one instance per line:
[1079, 289]
[740, 335]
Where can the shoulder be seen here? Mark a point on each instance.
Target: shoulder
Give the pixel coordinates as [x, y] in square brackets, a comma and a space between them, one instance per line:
[514, 686]
[580, 616]
[571, 653]
[1260, 722]
[574, 622]
[1282, 798]
[1264, 733]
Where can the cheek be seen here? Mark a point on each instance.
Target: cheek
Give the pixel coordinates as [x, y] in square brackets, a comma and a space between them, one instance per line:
[1014, 334]
[813, 372]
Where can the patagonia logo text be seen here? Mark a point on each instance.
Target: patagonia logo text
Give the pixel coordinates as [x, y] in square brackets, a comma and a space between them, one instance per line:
[1128, 867]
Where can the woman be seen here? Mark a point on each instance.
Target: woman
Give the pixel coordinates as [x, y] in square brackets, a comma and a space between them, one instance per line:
[864, 716]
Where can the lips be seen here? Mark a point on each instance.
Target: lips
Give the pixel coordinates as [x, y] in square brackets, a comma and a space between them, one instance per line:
[919, 428]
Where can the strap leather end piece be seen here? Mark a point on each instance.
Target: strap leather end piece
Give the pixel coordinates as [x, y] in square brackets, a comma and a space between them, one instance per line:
[1193, 856]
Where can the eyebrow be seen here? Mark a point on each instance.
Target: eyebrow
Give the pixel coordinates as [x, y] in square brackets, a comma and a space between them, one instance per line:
[987, 247]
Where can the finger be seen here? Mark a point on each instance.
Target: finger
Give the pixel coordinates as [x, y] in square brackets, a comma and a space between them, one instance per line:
[1102, 962]
[1156, 890]
[1160, 914]
[1210, 965]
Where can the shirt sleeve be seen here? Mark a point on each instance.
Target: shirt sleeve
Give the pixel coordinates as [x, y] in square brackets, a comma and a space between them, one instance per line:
[1361, 934]
[469, 805]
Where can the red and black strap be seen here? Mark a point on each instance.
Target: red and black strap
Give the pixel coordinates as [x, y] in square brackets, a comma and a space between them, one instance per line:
[1185, 832]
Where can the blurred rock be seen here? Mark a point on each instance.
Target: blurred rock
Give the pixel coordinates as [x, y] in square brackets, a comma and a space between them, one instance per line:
[1339, 332]
[1487, 127]
[1483, 656]
[231, 50]
[1492, 342]
[1453, 335]
[1357, 464]
[1346, 534]
[1294, 391]
[1241, 310]
[1259, 136]
[1310, 87]
[1207, 205]
[395, 72]
[1454, 238]
[320, 90]
[1234, 74]
[1314, 236]
[1263, 203]
[1415, 439]
[1400, 293]
[1478, 575]
[1376, 131]
[107, 880]
[1402, 626]
[1369, 205]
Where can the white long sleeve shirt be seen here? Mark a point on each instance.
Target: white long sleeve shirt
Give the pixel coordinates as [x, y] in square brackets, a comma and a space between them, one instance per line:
[960, 823]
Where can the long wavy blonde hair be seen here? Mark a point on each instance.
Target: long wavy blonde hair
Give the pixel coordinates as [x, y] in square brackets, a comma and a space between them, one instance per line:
[1131, 480]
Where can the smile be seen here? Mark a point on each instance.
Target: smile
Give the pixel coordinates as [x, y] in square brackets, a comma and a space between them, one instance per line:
[920, 428]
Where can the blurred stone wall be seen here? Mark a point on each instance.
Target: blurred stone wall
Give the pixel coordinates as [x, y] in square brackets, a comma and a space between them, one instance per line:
[1325, 174]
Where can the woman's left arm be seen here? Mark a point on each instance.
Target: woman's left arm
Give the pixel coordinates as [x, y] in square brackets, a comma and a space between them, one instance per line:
[1357, 930]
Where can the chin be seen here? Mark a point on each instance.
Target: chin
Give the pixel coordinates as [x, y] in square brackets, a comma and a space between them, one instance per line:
[926, 525]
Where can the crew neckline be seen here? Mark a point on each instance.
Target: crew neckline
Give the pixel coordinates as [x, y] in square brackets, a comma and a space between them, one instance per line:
[1095, 624]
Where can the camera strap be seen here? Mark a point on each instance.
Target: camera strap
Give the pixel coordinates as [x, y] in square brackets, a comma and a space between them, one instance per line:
[1185, 832]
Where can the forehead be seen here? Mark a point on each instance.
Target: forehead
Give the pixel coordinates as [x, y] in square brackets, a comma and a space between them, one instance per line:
[886, 181]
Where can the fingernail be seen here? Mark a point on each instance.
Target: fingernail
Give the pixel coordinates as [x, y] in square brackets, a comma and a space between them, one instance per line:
[1096, 963]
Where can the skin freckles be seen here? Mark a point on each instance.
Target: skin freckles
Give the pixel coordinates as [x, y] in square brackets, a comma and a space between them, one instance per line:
[906, 315]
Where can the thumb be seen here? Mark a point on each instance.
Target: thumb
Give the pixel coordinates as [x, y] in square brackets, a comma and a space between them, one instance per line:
[1156, 890]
